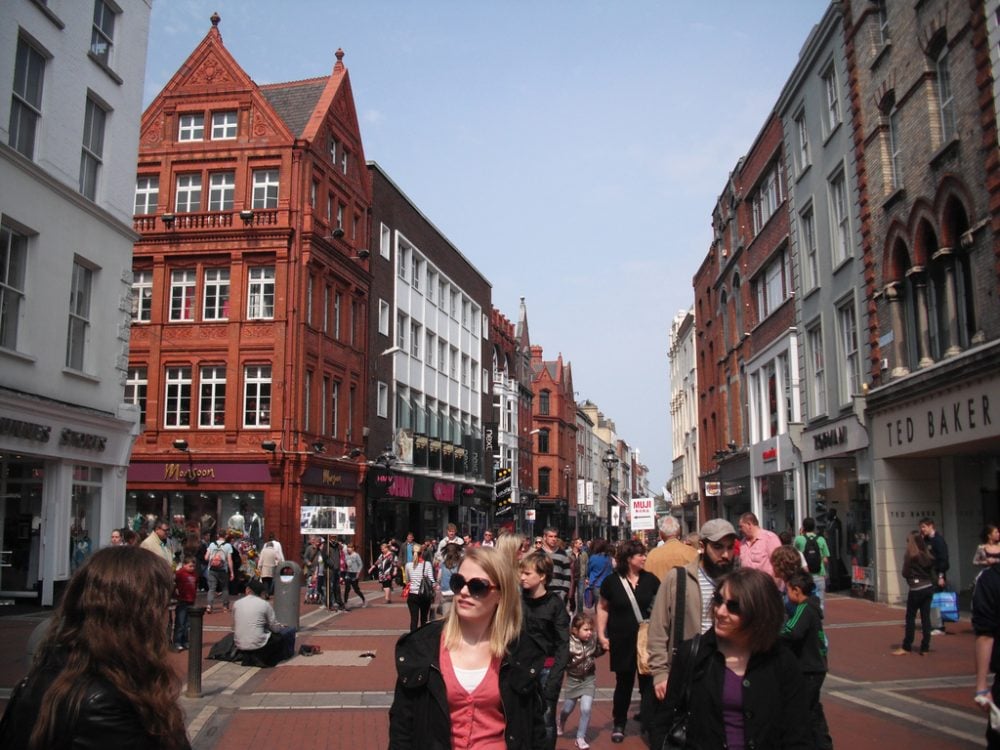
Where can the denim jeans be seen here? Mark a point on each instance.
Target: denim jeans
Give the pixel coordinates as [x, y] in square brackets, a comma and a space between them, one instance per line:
[820, 591]
[181, 624]
[586, 703]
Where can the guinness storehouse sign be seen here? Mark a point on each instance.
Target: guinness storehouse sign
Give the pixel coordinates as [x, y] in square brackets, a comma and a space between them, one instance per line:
[969, 413]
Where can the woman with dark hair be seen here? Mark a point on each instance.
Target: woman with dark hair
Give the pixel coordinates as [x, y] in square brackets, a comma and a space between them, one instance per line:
[988, 553]
[918, 570]
[618, 630]
[416, 570]
[739, 686]
[101, 677]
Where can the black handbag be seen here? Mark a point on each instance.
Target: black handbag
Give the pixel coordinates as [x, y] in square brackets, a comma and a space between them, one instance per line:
[677, 733]
[426, 584]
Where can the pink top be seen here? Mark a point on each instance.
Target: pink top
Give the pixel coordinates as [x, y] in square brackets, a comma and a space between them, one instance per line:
[757, 553]
[477, 718]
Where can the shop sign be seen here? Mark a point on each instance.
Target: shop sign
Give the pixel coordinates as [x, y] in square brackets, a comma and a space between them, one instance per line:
[187, 472]
[837, 438]
[443, 492]
[713, 489]
[960, 416]
[25, 430]
[771, 454]
[642, 514]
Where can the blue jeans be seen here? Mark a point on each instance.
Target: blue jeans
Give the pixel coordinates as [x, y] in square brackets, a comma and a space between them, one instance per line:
[586, 703]
[181, 624]
[820, 591]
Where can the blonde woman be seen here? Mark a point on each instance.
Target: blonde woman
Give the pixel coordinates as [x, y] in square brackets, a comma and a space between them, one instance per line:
[468, 680]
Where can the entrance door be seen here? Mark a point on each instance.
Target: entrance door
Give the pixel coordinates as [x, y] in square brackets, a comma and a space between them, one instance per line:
[20, 506]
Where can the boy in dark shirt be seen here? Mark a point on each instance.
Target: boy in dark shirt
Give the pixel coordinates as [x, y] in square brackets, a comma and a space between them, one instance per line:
[803, 632]
[546, 621]
[185, 589]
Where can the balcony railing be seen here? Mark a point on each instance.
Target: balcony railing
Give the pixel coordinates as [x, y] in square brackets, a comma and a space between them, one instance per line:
[200, 221]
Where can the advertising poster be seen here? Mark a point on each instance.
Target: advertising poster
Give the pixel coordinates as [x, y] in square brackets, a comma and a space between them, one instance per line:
[643, 515]
[338, 520]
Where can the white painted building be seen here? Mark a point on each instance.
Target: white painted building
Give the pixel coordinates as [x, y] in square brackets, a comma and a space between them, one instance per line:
[70, 105]
[683, 483]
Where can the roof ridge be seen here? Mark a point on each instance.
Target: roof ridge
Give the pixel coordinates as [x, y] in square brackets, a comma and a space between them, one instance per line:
[299, 82]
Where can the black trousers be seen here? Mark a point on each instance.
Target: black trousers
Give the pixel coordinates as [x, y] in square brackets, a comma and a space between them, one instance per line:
[420, 607]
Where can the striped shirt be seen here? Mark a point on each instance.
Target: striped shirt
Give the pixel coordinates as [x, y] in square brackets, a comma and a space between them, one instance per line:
[560, 572]
[415, 573]
[707, 586]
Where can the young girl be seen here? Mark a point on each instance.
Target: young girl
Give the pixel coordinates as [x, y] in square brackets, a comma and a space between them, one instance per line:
[581, 682]
[385, 565]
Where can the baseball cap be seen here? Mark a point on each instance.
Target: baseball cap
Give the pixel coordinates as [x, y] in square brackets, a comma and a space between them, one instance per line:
[716, 529]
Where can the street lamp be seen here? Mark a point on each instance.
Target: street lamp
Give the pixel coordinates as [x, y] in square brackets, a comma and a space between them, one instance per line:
[610, 461]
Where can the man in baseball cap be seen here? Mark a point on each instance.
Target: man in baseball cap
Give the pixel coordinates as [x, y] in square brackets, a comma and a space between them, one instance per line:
[718, 538]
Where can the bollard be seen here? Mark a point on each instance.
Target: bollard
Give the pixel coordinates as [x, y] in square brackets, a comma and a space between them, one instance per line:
[197, 621]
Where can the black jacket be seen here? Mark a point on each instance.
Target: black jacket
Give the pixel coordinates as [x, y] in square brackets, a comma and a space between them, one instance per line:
[106, 719]
[803, 632]
[775, 709]
[547, 622]
[419, 716]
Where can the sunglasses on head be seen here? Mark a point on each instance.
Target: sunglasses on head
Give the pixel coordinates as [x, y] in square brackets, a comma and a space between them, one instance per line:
[478, 587]
[731, 604]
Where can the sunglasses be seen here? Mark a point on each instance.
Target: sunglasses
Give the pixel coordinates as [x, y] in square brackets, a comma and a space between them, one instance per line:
[478, 587]
[731, 604]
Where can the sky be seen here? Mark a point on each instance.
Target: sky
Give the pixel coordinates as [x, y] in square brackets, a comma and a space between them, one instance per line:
[572, 150]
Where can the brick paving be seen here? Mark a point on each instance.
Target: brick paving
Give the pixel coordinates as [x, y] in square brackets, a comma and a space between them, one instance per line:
[340, 699]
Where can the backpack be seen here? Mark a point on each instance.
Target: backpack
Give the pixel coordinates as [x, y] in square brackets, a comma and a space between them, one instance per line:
[812, 554]
[218, 559]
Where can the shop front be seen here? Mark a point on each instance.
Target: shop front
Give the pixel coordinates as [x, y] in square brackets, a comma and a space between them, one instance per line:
[61, 491]
[838, 496]
[936, 454]
[775, 467]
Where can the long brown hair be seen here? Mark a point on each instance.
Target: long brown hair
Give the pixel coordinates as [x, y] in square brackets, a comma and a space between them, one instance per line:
[917, 551]
[112, 625]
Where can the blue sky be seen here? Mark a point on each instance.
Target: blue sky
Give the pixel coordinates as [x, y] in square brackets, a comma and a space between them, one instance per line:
[573, 151]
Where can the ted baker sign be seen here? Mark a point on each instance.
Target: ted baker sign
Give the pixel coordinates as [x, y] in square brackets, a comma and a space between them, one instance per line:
[957, 417]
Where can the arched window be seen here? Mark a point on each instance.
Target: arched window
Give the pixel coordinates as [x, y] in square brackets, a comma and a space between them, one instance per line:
[544, 480]
[955, 230]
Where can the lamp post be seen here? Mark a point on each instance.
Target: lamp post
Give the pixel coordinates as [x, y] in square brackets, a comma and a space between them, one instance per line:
[610, 461]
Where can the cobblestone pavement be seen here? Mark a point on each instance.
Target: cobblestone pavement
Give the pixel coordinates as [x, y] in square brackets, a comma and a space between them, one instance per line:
[340, 698]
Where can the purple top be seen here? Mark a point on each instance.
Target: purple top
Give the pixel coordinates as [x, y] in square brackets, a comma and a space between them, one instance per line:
[732, 709]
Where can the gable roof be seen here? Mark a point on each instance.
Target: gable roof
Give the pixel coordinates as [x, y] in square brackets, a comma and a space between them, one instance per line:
[295, 101]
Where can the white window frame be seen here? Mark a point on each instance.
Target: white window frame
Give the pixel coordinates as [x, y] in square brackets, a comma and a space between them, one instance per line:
[385, 242]
[147, 194]
[816, 371]
[895, 149]
[257, 391]
[183, 290]
[177, 398]
[225, 125]
[831, 99]
[142, 296]
[12, 274]
[265, 188]
[810, 252]
[402, 324]
[221, 191]
[92, 152]
[840, 218]
[383, 317]
[416, 338]
[335, 408]
[850, 357]
[102, 35]
[382, 401]
[191, 127]
[260, 293]
[946, 96]
[188, 193]
[215, 294]
[136, 389]
[26, 97]
[212, 394]
[802, 133]
[78, 331]
[430, 346]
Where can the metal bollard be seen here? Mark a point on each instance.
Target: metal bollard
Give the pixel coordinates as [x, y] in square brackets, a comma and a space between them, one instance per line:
[197, 621]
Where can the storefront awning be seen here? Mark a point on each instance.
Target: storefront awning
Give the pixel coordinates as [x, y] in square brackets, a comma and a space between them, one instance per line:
[619, 500]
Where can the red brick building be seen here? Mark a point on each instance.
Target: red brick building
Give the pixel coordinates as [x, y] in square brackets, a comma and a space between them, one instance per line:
[554, 428]
[250, 297]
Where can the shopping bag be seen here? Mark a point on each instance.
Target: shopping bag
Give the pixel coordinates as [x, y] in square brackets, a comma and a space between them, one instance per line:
[947, 603]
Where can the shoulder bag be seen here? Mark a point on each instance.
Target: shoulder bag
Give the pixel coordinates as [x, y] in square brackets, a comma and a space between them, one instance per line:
[677, 733]
[641, 647]
[426, 584]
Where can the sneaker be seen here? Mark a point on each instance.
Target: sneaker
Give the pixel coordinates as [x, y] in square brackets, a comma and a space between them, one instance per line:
[618, 735]
[560, 725]
[900, 651]
[582, 744]
[939, 631]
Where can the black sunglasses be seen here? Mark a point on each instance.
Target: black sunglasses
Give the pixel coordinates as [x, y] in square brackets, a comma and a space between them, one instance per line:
[731, 604]
[478, 587]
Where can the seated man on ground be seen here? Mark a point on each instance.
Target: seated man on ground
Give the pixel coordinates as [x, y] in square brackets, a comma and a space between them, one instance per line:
[257, 632]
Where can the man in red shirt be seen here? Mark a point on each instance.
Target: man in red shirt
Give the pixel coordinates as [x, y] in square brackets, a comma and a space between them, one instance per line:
[758, 544]
[185, 589]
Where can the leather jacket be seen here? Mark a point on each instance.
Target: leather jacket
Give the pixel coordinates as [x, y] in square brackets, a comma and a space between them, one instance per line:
[106, 718]
[419, 716]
